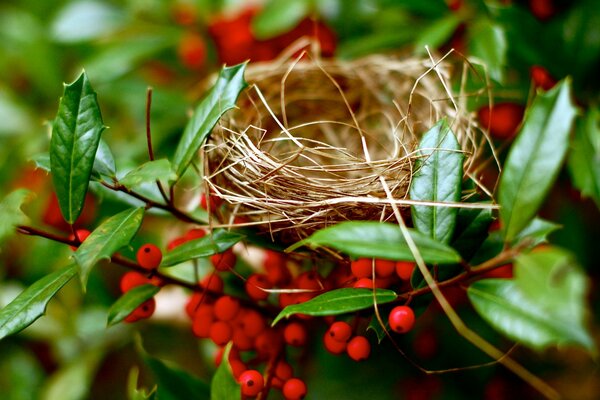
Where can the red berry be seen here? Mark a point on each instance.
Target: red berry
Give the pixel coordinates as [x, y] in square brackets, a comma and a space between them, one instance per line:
[202, 321]
[358, 348]
[194, 233]
[362, 268]
[294, 334]
[541, 78]
[132, 279]
[542, 9]
[176, 242]
[220, 333]
[224, 261]
[364, 283]
[252, 382]
[333, 346]
[81, 235]
[283, 370]
[340, 331]
[294, 389]
[242, 341]
[143, 311]
[404, 269]
[401, 319]
[255, 285]
[226, 308]
[192, 51]
[268, 343]
[310, 280]
[212, 282]
[149, 256]
[502, 120]
[275, 265]
[253, 323]
[237, 367]
[384, 268]
[211, 201]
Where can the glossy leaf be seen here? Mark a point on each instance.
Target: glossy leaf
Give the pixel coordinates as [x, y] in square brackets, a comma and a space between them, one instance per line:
[278, 17]
[221, 98]
[174, 383]
[149, 172]
[471, 230]
[584, 158]
[338, 301]
[75, 138]
[535, 158]
[114, 233]
[378, 240]
[31, 303]
[437, 33]
[11, 214]
[437, 178]
[376, 327]
[537, 232]
[104, 163]
[543, 306]
[223, 385]
[129, 301]
[488, 43]
[218, 242]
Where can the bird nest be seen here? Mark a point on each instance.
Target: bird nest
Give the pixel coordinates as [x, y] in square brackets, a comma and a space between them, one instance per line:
[316, 142]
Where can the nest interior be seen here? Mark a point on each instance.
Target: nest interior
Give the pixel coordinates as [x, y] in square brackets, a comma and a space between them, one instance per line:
[311, 140]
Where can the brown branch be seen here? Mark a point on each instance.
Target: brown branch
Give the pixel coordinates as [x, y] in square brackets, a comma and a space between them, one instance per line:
[149, 142]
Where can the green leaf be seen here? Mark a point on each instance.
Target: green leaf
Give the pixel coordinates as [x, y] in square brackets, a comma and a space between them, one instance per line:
[129, 302]
[75, 137]
[31, 303]
[378, 240]
[11, 214]
[85, 20]
[437, 33]
[471, 230]
[338, 301]
[584, 158]
[438, 178]
[104, 163]
[74, 380]
[175, 383]
[149, 172]
[223, 385]
[537, 231]
[221, 98]
[376, 327]
[218, 242]
[488, 43]
[133, 393]
[279, 16]
[543, 306]
[114, 233]
[535, 158]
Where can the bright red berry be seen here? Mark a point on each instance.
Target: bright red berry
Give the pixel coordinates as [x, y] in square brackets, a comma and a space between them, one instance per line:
[210, 203]
[276, 269]
[81, 235]
[541, 78]
[202, 321]
[362, 268]
[226, 308]
[176, 242]
[252, 382]
[401, 319]
[358, 348]
[254, 287]
[340, 331]
[363, 283]
[143, 311]
[333, 346]
[149, 256]
[384, 268]
[132, 279]
[192, 51]
[284, 370]
[310, 280]
[294, 389]
[268, 343]
[220, 333]
[237, 367]
[242, 341]
[404, 269]
[502, 120]
[212, 282]
[195, 233]
[295, 334]
[253, 323]
[224, 261]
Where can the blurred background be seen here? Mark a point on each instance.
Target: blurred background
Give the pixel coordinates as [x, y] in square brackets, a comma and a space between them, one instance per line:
[173, 46]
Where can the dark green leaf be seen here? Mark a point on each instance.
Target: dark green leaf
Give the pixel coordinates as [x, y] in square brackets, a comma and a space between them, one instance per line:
[104, 163]
[218, 242]
[376, 327]
[378, 240]
[472, 227]
[31, 303]
[279, 16]
[535, 158]
[129, 302]
[543, 306]
[149, 172]
[175, 383]
[488, 43]
[114, 233]
[581, 34]
[73, 381]
[437, 178]
[223, 385]
[338, 301]
[584, 158]
[221, 98]
[11, 214]
[437, 33]
[75, 137]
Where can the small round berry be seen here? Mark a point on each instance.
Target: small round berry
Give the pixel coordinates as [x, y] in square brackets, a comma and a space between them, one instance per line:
[333, 346]
[149, 256]
[254, 287]
[268, 343]
[358, 348]
[276, 269]
[194, 233]
[294, 334]
[224, 261]
[401, 319]
[212, 282]
[226, 308]
[340, 331]
[294, 389]
[253, 323]
[81, 235]
[283, 370]
[210, 201]
[363, 283]
[132, 279]
[252, 382]
[237, 367]
[404, 269]
[541, 77]
[178, 241]
[242, 341]
[362, 268]
[192, 51]
[203, 321]
[310, 280]
[502, 120]
[143, 311]
[384, 268]
[220, 333]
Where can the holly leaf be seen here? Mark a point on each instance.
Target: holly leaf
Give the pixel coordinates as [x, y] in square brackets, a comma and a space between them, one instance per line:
[221, 98]
[438, 178]
[11, 214]
[31, 304]
[75, 137]
[537, 232]
[148, 172]
[279, 16]
[338, 301]
[219, 241]
[378, 240]
[584, 158]
[488, 42]
[543, 306]
[104, 163]
[471, 230]
[130, 300]
[114, 233]
[223, 385]
[535, 158]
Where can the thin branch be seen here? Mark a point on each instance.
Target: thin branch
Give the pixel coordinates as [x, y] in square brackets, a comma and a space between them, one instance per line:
[149, 142]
